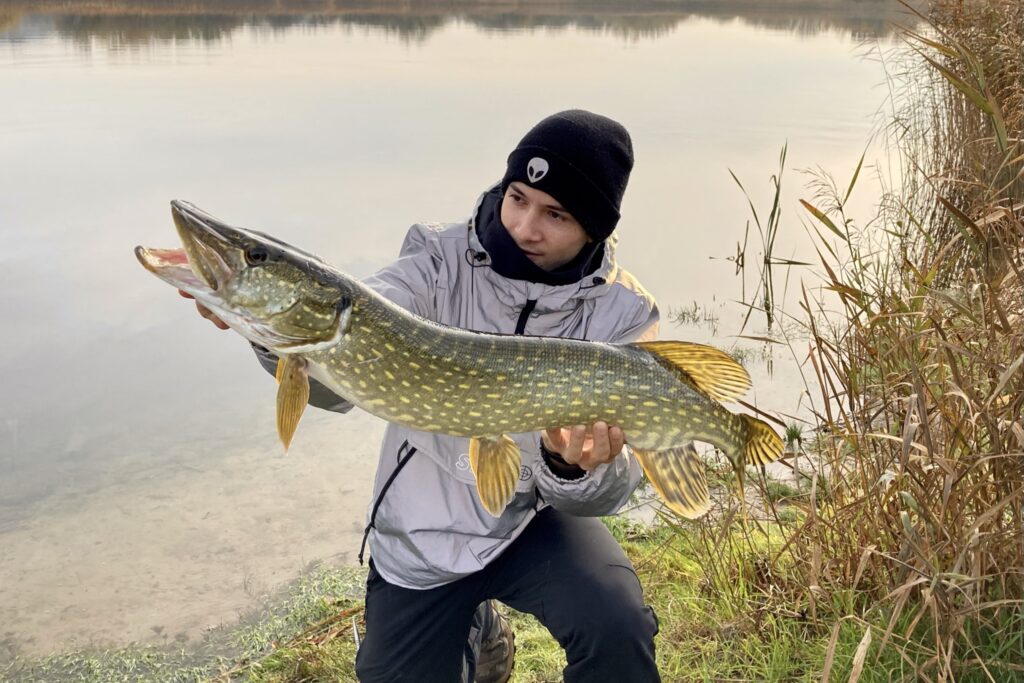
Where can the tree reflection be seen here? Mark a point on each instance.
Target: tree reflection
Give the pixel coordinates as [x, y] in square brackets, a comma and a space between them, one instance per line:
[136, 23]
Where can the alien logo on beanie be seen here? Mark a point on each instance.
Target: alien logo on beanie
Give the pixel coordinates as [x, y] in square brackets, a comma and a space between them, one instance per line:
[536, 169]
[582, 160]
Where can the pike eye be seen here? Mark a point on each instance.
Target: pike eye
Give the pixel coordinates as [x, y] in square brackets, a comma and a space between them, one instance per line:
[256, 255]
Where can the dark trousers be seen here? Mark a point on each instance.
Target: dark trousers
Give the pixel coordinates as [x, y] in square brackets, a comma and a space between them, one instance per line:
[567, 571]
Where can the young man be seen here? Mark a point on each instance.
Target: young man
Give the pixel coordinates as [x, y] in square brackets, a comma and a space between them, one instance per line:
[536, 257]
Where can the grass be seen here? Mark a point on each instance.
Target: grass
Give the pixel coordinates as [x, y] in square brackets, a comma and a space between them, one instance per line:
[695, 315]
[707, 633]
[316, 606]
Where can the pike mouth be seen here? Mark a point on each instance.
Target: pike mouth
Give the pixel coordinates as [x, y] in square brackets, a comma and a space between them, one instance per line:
[199, 266]
[173, 267]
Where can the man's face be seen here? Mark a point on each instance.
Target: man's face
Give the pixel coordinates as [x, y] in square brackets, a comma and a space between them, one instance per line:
[543, 229]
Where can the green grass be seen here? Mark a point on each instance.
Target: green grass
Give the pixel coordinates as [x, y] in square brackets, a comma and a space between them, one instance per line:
[311, 604]
[722, 590]
[706, 634]
[780, 491]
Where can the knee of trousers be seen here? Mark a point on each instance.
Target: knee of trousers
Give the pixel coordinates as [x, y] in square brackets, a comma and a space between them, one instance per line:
[615, 623]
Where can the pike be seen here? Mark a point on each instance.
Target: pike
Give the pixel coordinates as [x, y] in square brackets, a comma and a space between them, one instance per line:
[405, 369]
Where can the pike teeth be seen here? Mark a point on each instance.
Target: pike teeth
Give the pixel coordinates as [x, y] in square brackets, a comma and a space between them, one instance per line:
[171, 266]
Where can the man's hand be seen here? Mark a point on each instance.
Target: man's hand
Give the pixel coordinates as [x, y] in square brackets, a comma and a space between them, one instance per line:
[585, 447]
[206, 312]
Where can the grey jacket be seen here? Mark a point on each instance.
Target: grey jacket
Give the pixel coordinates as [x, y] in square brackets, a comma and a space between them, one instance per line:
[430, 529]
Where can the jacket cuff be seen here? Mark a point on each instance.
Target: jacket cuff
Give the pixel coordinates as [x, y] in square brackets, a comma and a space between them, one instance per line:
[559, 467]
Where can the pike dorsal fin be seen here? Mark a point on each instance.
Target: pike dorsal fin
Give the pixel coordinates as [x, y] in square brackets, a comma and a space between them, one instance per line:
[711, 370]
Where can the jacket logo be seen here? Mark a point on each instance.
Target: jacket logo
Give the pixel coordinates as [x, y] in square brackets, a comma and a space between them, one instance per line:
[536, 169]
[525, 473]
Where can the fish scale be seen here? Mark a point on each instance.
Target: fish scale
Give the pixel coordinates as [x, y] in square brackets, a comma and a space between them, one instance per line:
[426, 376]
[473, 384]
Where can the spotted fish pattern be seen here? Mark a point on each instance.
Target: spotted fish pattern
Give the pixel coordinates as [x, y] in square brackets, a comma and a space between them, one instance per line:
[411, 371]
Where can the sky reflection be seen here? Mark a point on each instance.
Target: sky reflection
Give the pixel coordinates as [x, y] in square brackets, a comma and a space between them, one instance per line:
[338, 140]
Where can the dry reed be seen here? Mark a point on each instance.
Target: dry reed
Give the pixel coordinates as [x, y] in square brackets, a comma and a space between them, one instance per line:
[921, 539]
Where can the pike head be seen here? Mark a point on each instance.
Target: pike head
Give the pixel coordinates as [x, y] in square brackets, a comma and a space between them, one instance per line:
[270, 292]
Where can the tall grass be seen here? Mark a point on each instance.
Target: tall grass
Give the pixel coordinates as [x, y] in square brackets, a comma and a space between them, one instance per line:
[920, 543]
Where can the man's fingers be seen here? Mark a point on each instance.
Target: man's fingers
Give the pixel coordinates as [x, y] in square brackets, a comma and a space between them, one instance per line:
[601, 448]
[209, 315]
[583, 446]
[553, 439]
[206, 312]
[604, 443]
[616, 439]
[574, 449]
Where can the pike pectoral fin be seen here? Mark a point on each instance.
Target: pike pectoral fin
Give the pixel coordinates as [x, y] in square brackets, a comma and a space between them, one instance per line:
[292, 396]
[678, 477]
[495, 464]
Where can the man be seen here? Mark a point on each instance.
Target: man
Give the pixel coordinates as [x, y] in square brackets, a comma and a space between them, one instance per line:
[536, 257]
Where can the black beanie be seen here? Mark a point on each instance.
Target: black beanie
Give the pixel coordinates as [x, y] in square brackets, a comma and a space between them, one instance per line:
[581, 159]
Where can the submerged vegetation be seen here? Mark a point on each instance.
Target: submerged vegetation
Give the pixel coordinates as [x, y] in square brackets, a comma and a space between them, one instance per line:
[899, 554]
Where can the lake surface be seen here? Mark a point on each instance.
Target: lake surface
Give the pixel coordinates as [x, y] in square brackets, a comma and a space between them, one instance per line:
[143, 496]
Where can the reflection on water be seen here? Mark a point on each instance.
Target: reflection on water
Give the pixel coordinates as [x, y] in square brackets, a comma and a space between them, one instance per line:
[135, 23]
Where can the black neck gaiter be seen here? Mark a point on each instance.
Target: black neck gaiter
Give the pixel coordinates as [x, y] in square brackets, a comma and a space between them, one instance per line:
[508, 260]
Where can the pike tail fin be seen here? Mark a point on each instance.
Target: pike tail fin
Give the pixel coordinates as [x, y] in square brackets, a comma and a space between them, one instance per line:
[495, 464]
[762, 445]
[678, 477]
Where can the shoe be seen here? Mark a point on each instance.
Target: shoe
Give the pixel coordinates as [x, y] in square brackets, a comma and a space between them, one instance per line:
[497, 651]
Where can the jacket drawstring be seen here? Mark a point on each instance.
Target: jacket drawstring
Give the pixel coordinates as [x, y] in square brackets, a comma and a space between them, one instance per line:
[402, 460]
[524, 314]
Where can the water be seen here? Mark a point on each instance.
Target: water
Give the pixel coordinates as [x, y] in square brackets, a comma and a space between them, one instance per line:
[143, 496]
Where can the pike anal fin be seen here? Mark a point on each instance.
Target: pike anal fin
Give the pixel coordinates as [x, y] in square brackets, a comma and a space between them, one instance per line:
[292, 396]
[496, 464]
[678, 477]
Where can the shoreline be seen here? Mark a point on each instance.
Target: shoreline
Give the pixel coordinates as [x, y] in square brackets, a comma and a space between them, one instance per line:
[175, 549]
[863, 18]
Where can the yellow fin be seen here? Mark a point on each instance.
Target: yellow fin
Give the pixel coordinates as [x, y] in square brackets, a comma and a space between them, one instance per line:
[292, 396]
[678, 477]
[763, 444]
[712, 370]
[495, 464]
